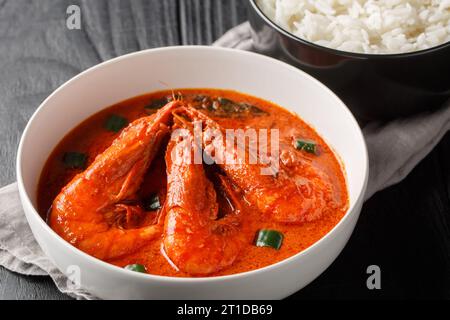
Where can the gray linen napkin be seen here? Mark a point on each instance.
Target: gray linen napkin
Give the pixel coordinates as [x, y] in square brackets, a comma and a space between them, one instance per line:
[395, 148]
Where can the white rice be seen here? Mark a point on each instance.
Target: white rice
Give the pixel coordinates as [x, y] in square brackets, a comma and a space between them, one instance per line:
[364, 26]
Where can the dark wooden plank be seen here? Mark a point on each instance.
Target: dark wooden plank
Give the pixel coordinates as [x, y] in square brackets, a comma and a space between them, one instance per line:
[117, 27]
[18, 287]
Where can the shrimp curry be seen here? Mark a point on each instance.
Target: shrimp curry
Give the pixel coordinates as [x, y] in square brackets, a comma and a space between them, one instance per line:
[153, 185]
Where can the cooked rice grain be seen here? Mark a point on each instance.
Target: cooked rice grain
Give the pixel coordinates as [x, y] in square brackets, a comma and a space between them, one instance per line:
[373, 26]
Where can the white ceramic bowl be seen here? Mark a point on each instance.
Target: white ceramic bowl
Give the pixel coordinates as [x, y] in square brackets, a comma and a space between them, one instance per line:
[192, 67]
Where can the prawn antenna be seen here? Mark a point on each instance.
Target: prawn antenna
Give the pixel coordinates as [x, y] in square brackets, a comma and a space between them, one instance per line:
[177, 96]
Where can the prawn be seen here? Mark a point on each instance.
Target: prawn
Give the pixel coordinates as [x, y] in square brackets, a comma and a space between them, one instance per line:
[88, 211]
[195, 239]
[285, 196]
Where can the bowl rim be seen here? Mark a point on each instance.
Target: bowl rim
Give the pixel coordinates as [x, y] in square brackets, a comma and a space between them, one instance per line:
[347, 54]
[25, 199]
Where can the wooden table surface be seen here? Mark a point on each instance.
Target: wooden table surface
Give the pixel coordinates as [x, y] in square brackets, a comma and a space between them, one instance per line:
[405, 229]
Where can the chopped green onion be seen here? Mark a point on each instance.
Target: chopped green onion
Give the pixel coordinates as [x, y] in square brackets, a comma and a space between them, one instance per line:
[152, 203]
[269, 238]
[156, 104]
[115, 123]
[136, 267]
[75, 160]
[306, 145]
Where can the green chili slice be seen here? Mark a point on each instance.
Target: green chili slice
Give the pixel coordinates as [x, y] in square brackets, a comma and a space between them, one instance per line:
[115, 123]
[269, 238]
[136, 268]
[306, 145]
[75, 160]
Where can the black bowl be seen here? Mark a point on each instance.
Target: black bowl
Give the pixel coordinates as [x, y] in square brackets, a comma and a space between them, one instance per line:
[374, 86]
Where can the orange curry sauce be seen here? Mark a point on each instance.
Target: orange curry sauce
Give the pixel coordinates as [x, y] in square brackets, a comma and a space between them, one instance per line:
[91, 138]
